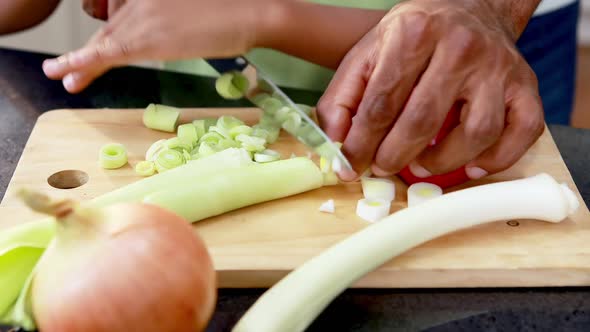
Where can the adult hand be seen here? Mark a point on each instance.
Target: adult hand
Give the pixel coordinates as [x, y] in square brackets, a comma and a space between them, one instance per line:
[165, 30]
[393, 90]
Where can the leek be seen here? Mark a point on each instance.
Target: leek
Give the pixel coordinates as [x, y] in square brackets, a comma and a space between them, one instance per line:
[112, 156]
[266, 156]
[239, 187]
[169, 159]
[161, 117]
[145, 168]
[293, 303]
[232, 85]
[188, 133]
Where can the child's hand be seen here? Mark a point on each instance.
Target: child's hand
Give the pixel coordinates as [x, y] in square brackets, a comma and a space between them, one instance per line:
[166, 30]
[102, 9]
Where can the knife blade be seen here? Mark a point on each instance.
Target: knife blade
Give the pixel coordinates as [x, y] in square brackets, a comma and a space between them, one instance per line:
[308, 132]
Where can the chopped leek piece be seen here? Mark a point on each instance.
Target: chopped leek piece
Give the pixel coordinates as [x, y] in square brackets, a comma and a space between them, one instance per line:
[112, 155]
[228, 122]
[145, 168]
[188, 133]
[283, 113]
[241, 129]
[421, 192]
[372, 210]
[203, 125]
[232, 85]
[239, 187]
[378, 188]
[308, 134]
[259, 132]
[270, 105]
[220, 130]
[154, 149]
[260, 98]
[327, 150]
[330, 179]
[267, 121]
[227, 143]
[251, 143]
[161, 117]
[292, 123]
[176, 143]
[168, 159]
[186, 155]
[328, 206]
[325, 165]
[266, 156]
[206, 149]
[200, 127]
[273, 135]
[211, 137]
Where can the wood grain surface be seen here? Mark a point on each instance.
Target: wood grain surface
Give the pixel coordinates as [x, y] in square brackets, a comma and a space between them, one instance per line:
[257, 245]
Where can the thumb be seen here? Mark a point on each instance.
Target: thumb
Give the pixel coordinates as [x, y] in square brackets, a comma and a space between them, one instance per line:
[341, 99]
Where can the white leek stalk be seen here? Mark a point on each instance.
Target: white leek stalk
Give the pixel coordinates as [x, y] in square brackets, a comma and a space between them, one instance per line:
[421, 192]
[372, 210]
[378, 188]
[295, 301]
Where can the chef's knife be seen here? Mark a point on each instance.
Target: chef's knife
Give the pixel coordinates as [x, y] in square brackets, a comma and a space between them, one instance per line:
[309, 132]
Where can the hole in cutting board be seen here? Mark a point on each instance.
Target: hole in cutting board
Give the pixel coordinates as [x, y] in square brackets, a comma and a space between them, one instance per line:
[68, 179]
[513, 223]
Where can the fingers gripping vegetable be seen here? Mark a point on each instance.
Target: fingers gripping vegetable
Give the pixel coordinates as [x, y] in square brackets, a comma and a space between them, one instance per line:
[128, 267]
[295, 301]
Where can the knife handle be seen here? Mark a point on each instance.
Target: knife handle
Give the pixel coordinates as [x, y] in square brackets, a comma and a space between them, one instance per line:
[228, 64]
[453, 178]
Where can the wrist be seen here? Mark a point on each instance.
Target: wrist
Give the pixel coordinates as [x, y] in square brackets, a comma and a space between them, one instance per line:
[514, 15]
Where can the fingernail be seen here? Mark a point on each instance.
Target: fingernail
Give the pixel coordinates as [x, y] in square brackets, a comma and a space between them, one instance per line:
[50, 66]
[418, 170]
[69, 82]
[379, 171]
[347, 175]
[475, 173]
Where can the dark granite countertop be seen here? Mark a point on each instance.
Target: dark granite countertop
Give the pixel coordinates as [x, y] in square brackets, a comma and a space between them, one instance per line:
[25, 93]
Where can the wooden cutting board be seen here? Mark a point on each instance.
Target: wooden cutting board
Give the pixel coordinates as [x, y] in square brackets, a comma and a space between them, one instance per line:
[257, 245]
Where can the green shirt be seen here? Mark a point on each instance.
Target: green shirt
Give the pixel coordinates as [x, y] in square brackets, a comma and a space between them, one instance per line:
[283, 69]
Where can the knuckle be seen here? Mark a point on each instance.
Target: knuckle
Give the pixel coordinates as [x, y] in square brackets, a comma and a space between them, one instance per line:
[420, 125]
[378, 114]
[483, 133]
[533, 124]
[463, 43]
[416, 28]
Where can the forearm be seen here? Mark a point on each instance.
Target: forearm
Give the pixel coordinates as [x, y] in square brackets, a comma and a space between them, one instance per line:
[16, 15]
[515, 13]
[317, 33]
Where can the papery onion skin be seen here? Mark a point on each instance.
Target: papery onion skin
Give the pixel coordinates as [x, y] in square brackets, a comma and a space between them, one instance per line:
[148, 272]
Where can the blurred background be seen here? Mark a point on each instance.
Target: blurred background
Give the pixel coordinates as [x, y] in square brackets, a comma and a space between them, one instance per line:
[69, 28]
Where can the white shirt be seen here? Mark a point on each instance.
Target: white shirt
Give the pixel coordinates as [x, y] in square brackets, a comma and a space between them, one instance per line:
[547, 6]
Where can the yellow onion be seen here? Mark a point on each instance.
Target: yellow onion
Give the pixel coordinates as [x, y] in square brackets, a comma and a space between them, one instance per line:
[127, 267]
